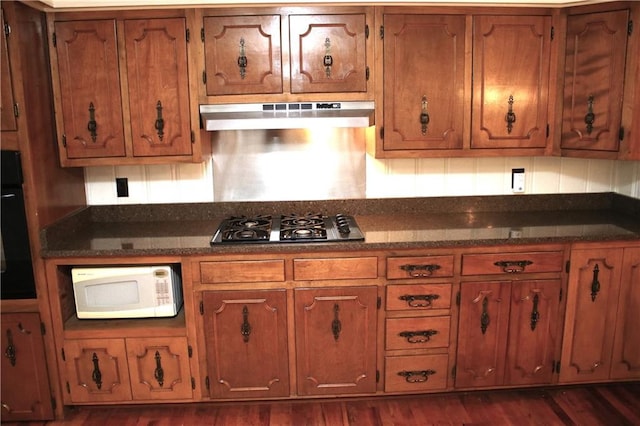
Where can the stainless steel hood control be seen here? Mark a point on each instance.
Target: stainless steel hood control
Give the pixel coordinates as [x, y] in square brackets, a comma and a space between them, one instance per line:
[296, 115]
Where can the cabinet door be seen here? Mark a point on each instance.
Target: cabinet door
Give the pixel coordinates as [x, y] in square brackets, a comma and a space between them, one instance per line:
[87, 57]
[25, 384]
[482, 333]
[336, 340]
[97, 370]
[533, 322]
[158, 86]
[328, 53]
[511, 56]
[625, 363]
[424, 80]
[7, 117]
[243, 55]
[159, 368]
[592, 301]
[594, 66]
[246, 337]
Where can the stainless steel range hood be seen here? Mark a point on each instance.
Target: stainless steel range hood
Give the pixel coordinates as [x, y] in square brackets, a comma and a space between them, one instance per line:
[296, 115]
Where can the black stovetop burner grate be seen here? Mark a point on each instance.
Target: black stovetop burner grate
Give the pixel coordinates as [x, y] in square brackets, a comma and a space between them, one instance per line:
[242, 228]
[309, 226]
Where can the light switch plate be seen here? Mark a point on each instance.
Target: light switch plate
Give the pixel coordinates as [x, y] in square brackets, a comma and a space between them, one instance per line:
[517, 180]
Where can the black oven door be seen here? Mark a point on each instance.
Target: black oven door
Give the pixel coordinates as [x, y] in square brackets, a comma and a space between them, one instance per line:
[17, 280]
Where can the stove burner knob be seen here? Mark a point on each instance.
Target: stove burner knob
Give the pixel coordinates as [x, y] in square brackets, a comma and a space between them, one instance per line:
[343, 224]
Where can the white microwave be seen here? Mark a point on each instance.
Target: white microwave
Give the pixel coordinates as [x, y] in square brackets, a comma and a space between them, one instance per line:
[126, 291]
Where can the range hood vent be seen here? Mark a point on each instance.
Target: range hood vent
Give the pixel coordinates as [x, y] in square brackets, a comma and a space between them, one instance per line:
[297, 115]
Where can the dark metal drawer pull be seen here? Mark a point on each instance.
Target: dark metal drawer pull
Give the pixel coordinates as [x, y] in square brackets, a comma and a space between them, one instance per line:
[158, 373]
[336, 325]
[513, 266]
[414, 300]
[595, 284]
[418, 336]
[245, 328]
[96, 375]
[420, 271]
[419, 376]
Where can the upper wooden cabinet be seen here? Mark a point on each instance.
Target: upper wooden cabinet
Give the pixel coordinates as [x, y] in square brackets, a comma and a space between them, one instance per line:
[122, 91]
[424, 82]
[511, 56]
[7, 116]
[596, 49]
[284, 52]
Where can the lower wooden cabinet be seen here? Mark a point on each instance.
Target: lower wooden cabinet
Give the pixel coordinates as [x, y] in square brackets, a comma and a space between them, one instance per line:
[246, 338]
[507, 332]
[118, 370]
[601, 332]
[336, 340]
[25, 383]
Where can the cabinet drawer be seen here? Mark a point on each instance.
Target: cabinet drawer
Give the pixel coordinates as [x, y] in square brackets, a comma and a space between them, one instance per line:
[417, 333]
[419, 267]
[241, 271]
[501, 263]
[416, 373]
[418, 297]
[335, 269]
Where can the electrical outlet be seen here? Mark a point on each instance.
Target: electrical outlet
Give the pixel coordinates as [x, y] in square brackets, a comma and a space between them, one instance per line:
[517, 180]
[122, 187]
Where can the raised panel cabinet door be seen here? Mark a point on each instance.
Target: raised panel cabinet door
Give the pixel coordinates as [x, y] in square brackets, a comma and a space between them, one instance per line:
[336, 340]
[25, 384]
[243, 55]
[159, 368]
[592, 301]
[246, 338]
[89, 82]
[97, 370]
[158, 86]
[593, 83]
[625, 363]
[511, 56]
[482, 333]
[533, 325]
[328, 53]
[7, 117]
[424, 81]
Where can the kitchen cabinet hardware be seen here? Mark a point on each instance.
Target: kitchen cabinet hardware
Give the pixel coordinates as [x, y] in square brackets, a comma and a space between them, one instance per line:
[418, 336]
[419, 300]
[10, 352]
[420, 271]
[336, 325]
[92, 126]
[96, 375]
[510, 117]
[159, 124]
[513, 266]
[535, 314]
[485, 320]
[416, 376]
[589, 117]
[245, 329]
[595, 283]
[424, 116]
[242, 60]
[158, 373]
[327, 61]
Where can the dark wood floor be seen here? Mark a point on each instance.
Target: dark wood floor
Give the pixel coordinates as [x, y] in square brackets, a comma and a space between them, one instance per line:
[609, 405]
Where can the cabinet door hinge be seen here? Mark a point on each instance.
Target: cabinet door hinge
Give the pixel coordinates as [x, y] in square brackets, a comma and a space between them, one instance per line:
[68, 388]
[629, 27]
[188, 35]
[621, 133]
[366, 31]
[64, 140]
[367, 73]
[190, 351]
[458, 298]
[16, 110]
[202, 34]
[64, 358]
[553, 33]
[193, 137]
[204, 77]
[377, 376]
[547, 130]
[567, 266]
[6, 29]
[560, 294]
[201, 307]
[381, 31]
[43, 329]
[556, 367]
[54, 40]
[453, 372]
[193, 384]
[379, 302]
[381, 132]
[206, 382]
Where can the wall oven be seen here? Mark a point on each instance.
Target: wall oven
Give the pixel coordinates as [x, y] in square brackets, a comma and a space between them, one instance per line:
[16, 281]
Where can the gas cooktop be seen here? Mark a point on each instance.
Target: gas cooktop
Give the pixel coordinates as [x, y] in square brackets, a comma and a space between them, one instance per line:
[291, 228]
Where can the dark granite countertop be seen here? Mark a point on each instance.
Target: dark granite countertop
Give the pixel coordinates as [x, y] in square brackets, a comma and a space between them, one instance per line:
[394, 223]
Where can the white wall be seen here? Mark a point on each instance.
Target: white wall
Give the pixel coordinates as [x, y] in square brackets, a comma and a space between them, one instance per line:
[185, 183]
